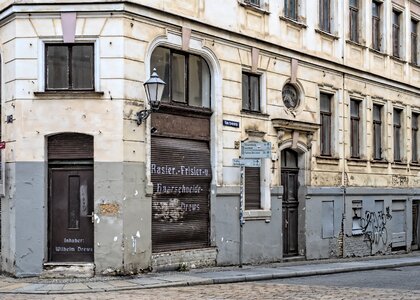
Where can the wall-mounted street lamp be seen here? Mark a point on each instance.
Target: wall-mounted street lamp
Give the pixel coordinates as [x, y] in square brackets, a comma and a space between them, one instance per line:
[154, 87]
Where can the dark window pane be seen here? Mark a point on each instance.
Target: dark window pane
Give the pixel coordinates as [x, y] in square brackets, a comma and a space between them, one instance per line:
[245, 92]
[414, 137]
[355, 128]
[178, 78]
[255, 93]
[324, 15]
[82, 67]
[376, 31]
[395, 34]
[414, 25]
[290, 9]
[354, 3]
[325, 130]
[377, 132]
[397, 135]
[160, 61]
[57, 67]
[198, 82]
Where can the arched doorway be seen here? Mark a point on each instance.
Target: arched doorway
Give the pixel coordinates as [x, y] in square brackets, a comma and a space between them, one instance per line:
[70, 181]
[289, 179]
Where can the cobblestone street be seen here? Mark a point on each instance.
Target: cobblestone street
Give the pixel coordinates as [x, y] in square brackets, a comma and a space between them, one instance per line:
[254, 290]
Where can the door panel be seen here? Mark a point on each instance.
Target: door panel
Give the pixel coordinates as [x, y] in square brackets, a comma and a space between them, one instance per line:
[71, 204]
[290, 211]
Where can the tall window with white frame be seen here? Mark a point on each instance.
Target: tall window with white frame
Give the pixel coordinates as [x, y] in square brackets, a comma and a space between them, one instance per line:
[396, 33]
[414, 137]
[414, 41]
[355, 128]
[376, 25]
[377, 131]
[326, 123]
[69, 67]
[397, 134]
[251, 92]
[325, 15]
[354, 20]
[291, 9]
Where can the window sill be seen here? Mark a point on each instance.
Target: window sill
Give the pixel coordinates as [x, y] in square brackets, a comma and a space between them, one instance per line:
[257, 214]
[414, 65]
[383, 54]
[357, 162]
[327, 34]
[255, 8]
[255, 113]
[356, 44]
[68, 94]
[328, 160]
[293, 22]
[398, 59]
[399, 164]
[379, 163]
[415, 165]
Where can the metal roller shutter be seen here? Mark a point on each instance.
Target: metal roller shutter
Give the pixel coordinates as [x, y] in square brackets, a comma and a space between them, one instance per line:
[70, 146]
[181, 176]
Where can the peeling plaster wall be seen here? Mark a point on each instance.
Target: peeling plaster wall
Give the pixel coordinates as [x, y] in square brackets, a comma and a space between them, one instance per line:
[262, 239]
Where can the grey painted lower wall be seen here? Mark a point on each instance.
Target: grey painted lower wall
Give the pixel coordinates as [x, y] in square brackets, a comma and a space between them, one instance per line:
[122, 229]
[262, 236]
[384, 216]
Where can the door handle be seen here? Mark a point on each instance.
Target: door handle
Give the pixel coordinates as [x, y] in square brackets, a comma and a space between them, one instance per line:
[286, 224]
[92, 217]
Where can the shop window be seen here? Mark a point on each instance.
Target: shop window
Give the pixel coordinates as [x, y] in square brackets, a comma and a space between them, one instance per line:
[376, 25]
[414, 137]
[325, 15]
[251, 94]
[69, 67]
[187, 77]
[377, 131]
[397, 135]
[355, 128]
[326, 123]
[414, 41]
[396, 33]
[354, 20]
[291, 9]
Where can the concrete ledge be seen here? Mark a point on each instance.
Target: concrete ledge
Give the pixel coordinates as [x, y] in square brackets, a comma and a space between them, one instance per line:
[184, 260]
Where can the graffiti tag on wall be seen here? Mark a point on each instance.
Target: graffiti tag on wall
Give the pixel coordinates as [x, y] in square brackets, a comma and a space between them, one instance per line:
[374, 226]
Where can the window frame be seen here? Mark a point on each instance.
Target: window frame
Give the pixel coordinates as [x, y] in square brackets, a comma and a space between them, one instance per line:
[169, 83]
[415, 117]
[326, 147]
[288, 5]
[397, 134]
[396, 32]
[324, 13]
[70, 66]
[354, 22]
[355, 134]
[376, 26]
[250, 75]
[414, 41]
[377, 124]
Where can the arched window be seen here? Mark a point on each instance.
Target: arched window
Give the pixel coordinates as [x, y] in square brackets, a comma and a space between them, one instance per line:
[187, 77]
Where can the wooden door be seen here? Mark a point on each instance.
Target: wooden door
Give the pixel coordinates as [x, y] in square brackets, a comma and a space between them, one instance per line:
[71, 207]
[289, 178]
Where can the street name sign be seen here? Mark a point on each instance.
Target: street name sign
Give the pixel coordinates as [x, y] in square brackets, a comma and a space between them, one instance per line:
[256, 150]
[247, 162]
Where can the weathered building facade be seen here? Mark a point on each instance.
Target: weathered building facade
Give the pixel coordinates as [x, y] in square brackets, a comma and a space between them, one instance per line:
[333, 85]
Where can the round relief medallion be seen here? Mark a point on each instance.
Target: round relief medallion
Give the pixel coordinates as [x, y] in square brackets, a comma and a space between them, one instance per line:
[290, 96]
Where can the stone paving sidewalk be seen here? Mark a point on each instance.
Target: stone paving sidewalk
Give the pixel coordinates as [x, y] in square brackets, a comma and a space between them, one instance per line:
[199, 277]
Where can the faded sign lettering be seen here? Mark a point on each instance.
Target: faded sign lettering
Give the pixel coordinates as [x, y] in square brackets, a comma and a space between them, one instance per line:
[181, 189]
[173, 210]
[179, 170]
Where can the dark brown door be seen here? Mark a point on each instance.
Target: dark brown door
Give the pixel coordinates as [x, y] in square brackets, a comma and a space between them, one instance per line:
[289, 179]
[416, 227]
[71, 207]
